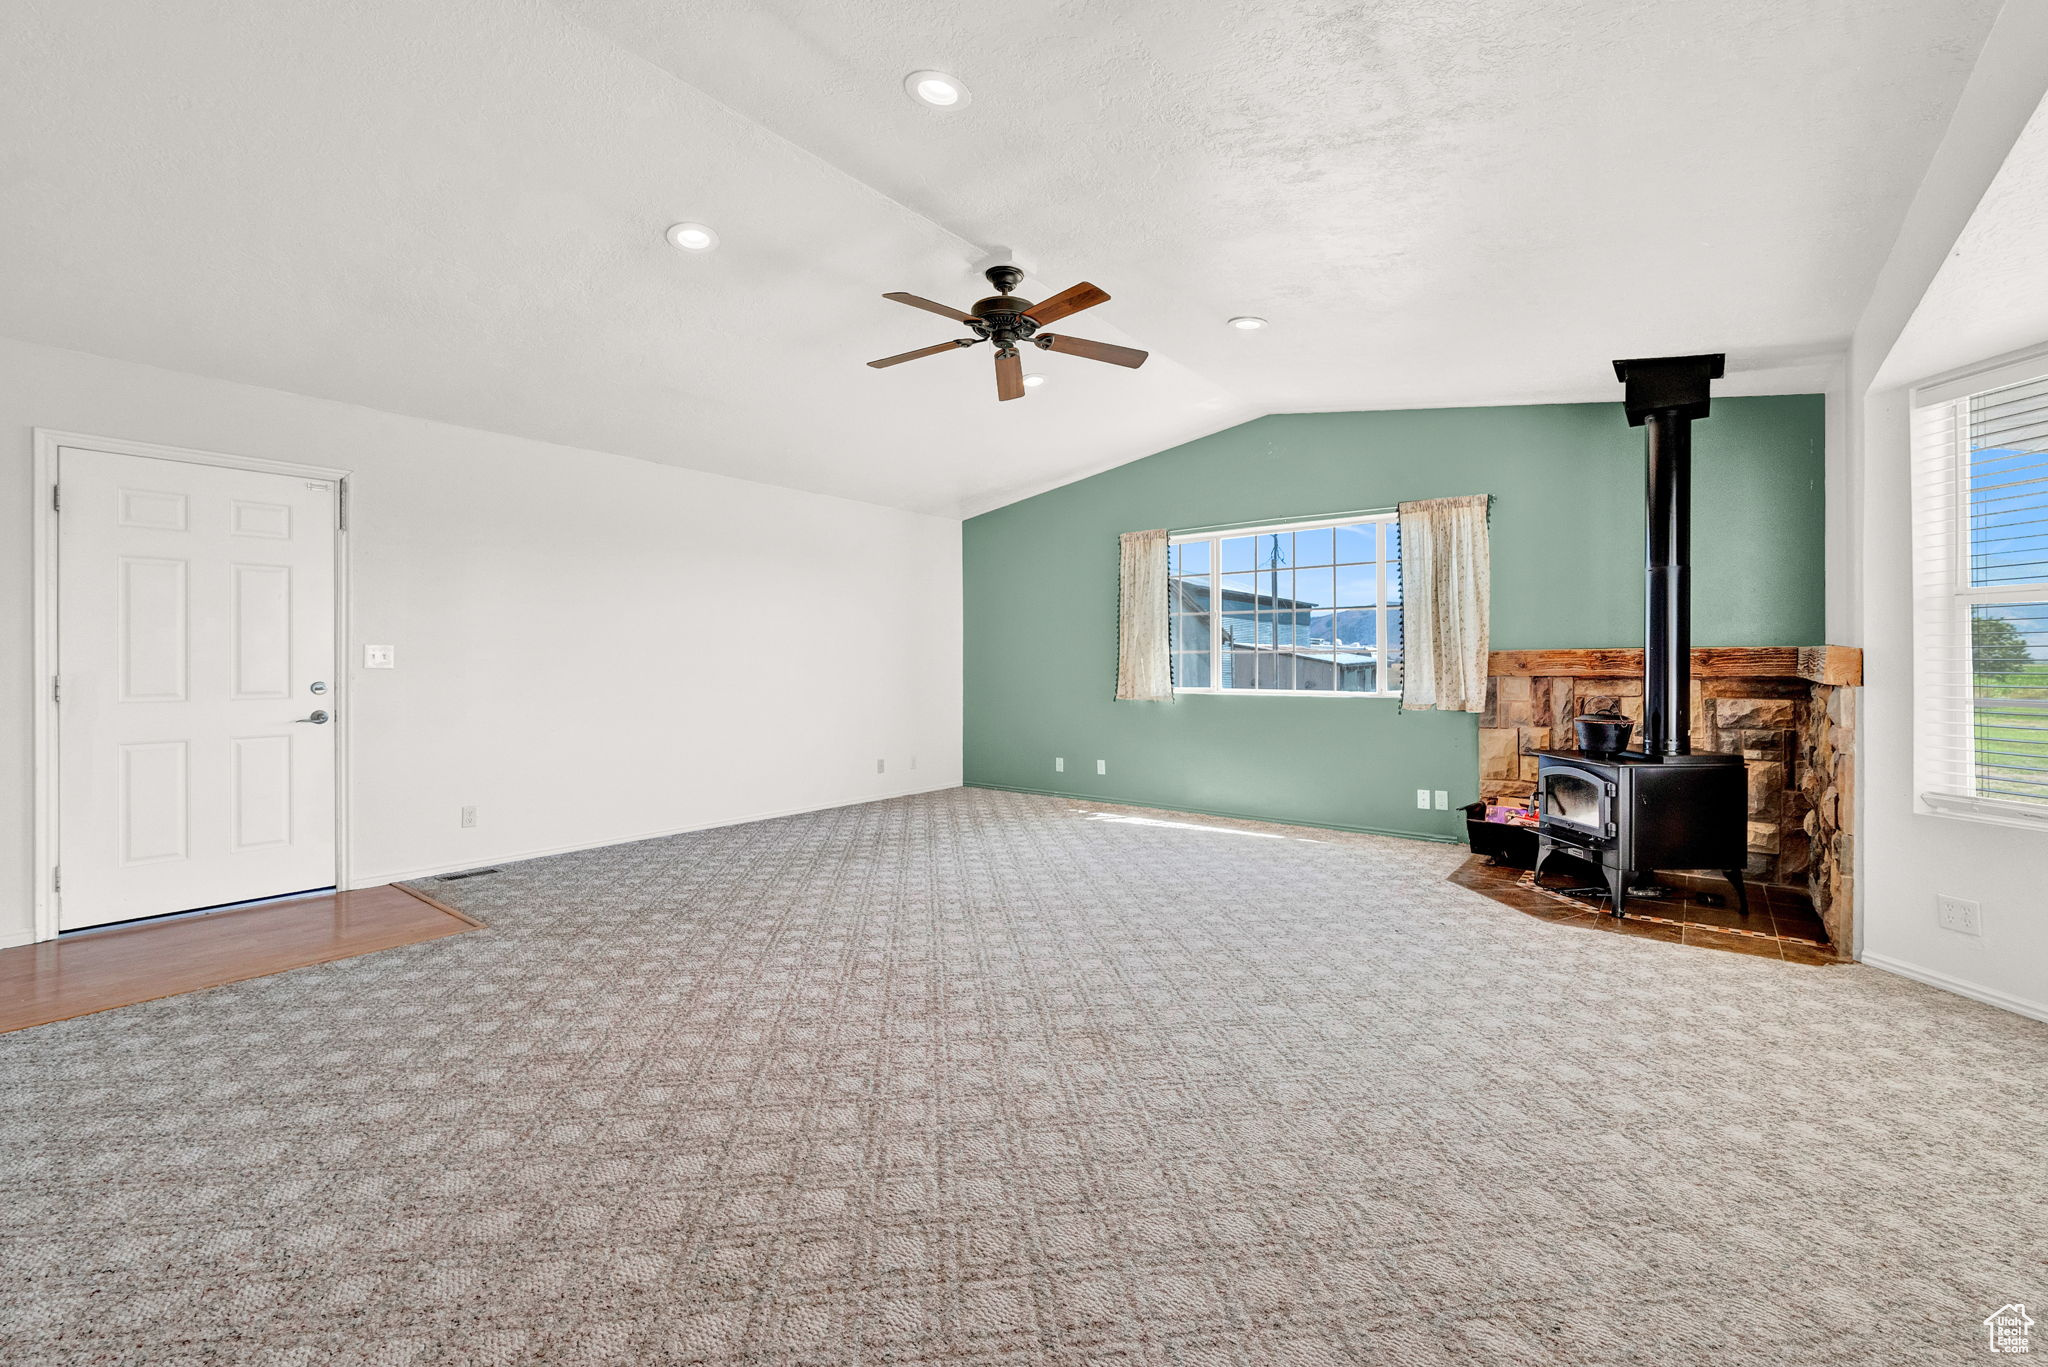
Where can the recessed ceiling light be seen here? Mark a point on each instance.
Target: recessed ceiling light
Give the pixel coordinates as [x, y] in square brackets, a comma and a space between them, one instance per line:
[1247, 323]
[692, 237]
[936, 89]
[1033, 380]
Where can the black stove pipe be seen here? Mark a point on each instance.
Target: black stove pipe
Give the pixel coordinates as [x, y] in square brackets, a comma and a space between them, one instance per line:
[1667, 587]
[1664, 395]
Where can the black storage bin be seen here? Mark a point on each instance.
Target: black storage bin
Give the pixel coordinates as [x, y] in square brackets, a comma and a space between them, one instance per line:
[1513, 846]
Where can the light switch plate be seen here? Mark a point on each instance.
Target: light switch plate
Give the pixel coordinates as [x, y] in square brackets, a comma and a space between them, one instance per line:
[1422, 798]
[380, 657]
[1443, 800]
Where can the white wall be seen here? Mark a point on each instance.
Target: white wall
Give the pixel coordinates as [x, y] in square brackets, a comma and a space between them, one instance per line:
[1905, 858]
[590, 648]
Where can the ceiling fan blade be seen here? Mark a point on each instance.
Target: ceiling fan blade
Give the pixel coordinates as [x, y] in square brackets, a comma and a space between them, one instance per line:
[1094, 351]
[922, 351]
[1009, 375]
[931, 306]
[1072, 299]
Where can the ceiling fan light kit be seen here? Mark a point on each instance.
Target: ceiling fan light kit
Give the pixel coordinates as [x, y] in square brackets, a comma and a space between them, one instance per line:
[1009, 323]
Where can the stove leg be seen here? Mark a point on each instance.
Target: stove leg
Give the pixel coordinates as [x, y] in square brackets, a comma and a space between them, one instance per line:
[1543, 849]
[1617, 884]
[1741, 892]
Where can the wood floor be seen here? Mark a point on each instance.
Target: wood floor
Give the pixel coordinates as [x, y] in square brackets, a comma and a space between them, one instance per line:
[96, 970]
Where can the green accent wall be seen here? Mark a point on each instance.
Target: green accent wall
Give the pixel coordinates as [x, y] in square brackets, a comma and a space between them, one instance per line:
[1567, 532]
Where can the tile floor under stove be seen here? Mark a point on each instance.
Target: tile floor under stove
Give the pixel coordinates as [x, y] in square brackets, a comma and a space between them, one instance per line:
[1700, 911]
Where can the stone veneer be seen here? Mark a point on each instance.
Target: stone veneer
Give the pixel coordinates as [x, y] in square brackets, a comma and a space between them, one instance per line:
[1797, 734]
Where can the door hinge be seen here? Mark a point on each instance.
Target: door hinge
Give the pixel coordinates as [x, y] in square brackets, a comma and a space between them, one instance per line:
[341, 505]
[56, 504]
[56, 689]
[56, 878]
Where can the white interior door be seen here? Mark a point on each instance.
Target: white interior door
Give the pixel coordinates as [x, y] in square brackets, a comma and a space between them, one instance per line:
[195, 631]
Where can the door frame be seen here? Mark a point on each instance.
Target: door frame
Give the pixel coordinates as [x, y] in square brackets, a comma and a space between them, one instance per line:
[47, 529]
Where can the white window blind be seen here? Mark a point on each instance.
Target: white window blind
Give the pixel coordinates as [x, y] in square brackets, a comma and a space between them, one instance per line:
[1980, 548]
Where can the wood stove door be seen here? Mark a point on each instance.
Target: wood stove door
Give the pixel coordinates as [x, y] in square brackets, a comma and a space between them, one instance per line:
[1579, 800]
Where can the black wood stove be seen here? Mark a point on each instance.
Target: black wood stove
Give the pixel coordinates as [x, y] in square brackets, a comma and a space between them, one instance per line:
[1661, 807]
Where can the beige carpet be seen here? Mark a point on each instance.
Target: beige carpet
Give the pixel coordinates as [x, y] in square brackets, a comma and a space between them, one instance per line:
[989, 1079]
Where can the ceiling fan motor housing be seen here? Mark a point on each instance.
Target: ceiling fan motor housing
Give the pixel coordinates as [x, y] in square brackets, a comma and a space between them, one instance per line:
[1001, 315]
[1006, 324]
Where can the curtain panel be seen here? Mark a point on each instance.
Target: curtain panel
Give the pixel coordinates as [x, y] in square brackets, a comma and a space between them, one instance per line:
[1144, 671]
[1447, 590]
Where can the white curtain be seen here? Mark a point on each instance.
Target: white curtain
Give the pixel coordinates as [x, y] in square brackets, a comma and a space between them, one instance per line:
[1446, 588]
[1144, 673]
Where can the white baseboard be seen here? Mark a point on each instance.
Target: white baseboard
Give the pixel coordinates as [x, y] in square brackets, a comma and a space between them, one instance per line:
[2019, 1006]
[376, 878]
[1433, 837]
[19, 937]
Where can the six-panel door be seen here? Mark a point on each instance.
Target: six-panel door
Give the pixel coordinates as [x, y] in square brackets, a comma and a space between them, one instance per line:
[195, 632]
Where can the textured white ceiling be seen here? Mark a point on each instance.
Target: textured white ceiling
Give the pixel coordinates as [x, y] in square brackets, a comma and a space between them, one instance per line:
[454, 209]
[1988, 298]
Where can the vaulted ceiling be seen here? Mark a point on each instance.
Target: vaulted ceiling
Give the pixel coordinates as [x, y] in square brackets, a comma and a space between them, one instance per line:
[454, 210]
[1972, 311]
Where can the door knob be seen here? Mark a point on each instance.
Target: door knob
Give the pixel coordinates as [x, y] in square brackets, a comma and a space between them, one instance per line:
[318, 718]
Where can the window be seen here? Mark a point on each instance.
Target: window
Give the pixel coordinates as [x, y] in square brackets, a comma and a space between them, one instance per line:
[1980, 508]
[1307, 609]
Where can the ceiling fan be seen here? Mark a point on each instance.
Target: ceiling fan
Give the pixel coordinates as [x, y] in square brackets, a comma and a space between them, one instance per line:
[1008, 321]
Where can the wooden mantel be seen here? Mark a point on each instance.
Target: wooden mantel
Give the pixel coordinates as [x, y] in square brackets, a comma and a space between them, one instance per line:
[1818, 664]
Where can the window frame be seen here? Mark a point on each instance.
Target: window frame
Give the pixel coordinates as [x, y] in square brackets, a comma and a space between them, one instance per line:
[1215, 539]
[1944, 600]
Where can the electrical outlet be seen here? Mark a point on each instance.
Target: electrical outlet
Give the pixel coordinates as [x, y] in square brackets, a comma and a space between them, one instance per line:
[1443, 800]
[380, 657]
[1422, 798]
[468, 817]
[913, 761]
[881, 766]
[1958, 914]
[1059, 766]
[1102, 766]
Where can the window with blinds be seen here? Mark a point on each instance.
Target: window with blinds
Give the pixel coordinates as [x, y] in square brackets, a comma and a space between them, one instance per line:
[1980, 510]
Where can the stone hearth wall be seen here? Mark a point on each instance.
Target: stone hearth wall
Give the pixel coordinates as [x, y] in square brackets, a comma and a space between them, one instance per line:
[1797, 737]
[1827, 784]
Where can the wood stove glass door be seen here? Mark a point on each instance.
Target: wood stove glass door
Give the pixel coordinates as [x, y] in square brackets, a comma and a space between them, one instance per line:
[1577, 799]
